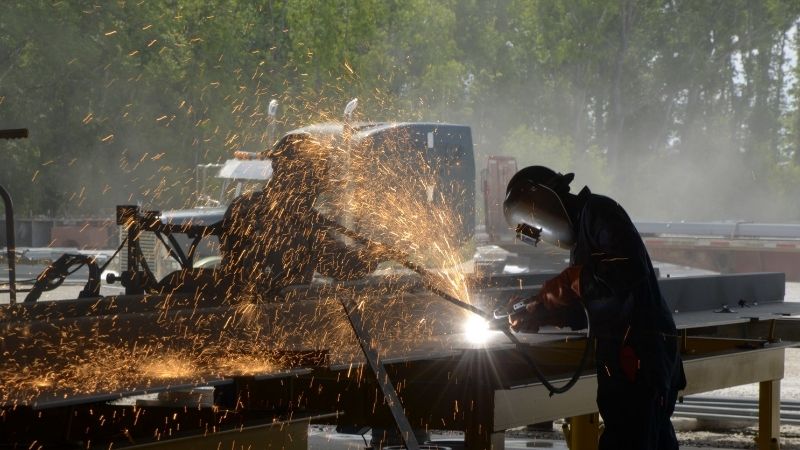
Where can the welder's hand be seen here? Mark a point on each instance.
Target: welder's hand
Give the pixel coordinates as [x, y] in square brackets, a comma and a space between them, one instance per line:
[539, 313]
[562, 290]
[526, 320]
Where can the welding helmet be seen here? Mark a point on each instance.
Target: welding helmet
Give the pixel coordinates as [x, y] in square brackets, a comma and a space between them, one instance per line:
[534, 206]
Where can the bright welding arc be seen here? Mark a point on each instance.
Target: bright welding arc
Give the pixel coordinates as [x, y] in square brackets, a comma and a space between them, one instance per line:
[427, 278]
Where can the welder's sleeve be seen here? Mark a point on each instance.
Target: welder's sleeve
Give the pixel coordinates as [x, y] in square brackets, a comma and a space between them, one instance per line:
[558, 302]
[618, 262]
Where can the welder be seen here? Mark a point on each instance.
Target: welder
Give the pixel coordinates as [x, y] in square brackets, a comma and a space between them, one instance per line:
[611, 277]
[276, 237]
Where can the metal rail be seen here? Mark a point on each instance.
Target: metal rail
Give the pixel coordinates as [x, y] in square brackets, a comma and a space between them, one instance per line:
[733, 409]
[10, 245]
[381, 376]
[16, 133]
[730, 230]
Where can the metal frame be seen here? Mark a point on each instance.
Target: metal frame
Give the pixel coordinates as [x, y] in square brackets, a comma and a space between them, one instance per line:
[381, 376]
[10, 244]
[479, 390]
[520, 406]
[15, 133]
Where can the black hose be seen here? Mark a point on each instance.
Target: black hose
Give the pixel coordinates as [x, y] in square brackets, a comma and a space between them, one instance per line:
[108, 261]
[429, 284]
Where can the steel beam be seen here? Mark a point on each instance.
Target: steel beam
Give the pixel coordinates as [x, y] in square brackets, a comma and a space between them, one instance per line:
[381, 376]
[519, 406]
[730, 230]
[523, 405]
[714, 372]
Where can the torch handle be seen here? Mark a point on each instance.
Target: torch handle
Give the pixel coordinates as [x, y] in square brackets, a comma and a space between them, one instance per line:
[505, 311]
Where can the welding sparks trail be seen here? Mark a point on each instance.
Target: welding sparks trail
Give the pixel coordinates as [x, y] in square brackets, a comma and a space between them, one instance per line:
[391, 197]
[120, 354]
[269, 305]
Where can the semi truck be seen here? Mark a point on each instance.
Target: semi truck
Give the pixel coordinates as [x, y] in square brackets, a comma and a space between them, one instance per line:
[189, 238]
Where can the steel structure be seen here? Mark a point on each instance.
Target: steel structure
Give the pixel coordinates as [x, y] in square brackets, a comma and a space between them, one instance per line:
[235, 373]
[315, 371]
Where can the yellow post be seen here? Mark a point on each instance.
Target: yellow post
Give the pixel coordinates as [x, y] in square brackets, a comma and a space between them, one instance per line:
[584, 432]
[769, 415]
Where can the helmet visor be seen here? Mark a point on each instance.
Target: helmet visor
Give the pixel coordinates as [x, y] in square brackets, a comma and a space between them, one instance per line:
[537, 212]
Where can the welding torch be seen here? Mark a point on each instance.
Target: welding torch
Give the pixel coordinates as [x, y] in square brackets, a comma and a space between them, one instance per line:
[498, 319]
[513, 308]
[489, 317]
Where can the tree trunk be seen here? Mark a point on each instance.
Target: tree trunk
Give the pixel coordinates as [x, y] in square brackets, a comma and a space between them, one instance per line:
[796, 130]
[616, 148]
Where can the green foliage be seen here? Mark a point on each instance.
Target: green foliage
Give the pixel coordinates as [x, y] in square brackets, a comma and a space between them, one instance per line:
[642, 99]
[533, 148]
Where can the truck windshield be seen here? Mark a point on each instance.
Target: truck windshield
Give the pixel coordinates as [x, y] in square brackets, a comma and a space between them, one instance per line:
[234, 178]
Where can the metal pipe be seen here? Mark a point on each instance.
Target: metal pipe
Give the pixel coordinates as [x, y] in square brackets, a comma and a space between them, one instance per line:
[427, 276]
[10, 245]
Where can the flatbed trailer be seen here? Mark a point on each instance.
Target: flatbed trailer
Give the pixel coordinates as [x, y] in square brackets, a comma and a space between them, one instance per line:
[726, 247]
[721, 246]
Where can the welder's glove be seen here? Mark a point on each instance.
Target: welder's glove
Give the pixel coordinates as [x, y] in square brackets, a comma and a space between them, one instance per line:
[527, 320]
[555, 304]
[563, 290]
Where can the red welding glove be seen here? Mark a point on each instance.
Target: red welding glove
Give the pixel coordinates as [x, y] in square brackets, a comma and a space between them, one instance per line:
[527, 320]
[551, 306]
[562, 290]
[558, 295]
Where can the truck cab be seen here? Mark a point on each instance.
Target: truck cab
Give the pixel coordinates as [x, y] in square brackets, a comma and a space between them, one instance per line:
[231, 179]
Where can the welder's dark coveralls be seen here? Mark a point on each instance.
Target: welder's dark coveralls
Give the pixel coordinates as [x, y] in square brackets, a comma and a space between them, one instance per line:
[639, 369]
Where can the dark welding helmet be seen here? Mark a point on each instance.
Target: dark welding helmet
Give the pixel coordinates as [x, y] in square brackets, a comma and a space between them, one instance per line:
[534, 206]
